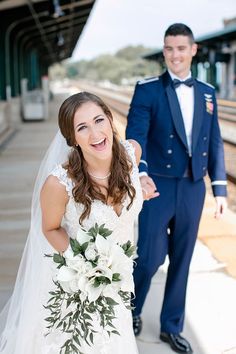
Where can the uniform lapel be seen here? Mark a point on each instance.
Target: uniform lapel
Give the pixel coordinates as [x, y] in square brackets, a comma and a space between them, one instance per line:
[197, 115]
[175, 109]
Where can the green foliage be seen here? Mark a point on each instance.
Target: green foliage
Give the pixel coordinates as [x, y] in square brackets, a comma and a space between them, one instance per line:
[133, 52]
[129, 249]
[126, 66]
[78, 322]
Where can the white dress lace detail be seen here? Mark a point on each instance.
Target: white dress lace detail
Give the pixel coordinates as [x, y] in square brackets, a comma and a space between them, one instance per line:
[123, 230]
[61, 174]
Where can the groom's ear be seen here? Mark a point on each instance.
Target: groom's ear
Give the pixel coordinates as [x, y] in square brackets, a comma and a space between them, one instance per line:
[194, 49]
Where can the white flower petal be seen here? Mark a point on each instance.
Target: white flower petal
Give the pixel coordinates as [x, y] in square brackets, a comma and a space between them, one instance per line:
[82, 236]
[66, 274]
[102, 245]
[112, 291]
[66, 287]
[94, 292]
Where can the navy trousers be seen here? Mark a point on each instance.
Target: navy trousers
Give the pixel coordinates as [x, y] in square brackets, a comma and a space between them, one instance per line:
[168, 224]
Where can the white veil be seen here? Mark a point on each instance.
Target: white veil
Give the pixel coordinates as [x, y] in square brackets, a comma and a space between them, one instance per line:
[19, 316]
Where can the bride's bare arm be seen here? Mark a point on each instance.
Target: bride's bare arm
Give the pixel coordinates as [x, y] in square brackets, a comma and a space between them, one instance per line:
[53, 200]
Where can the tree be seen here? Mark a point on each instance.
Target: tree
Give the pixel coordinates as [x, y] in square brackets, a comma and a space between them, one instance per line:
[126, 66]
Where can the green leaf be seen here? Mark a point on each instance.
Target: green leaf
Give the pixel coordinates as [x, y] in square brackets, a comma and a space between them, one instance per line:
[76, 339]
[84, 246]
[74, 348]
[91, 337]
[116, 277]
[111, 302]
[131, 251]
[58, 258]
[49, 319]
[104, 231]
[66, 343]
[101, 280]
[48, 255]
[67, 351]
[76, 247]
[87, 317]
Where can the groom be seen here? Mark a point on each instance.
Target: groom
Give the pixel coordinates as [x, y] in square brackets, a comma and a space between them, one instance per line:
[174, 118]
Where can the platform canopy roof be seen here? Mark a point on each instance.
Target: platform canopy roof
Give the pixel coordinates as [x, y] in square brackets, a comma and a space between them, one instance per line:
[51, 26]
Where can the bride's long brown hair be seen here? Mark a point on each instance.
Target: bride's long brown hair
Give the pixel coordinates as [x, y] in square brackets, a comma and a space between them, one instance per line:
[85, 189]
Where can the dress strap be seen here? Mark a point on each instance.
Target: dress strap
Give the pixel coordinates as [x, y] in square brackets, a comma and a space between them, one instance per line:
[129, 149]
[131, 152]
[61, 173]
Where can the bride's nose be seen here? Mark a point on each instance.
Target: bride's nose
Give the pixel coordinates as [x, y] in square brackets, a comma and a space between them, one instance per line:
[95, 133]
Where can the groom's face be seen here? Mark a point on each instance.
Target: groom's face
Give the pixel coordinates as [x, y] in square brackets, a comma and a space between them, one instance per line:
[178, 53]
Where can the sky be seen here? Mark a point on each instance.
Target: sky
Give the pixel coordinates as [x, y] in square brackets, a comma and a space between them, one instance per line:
[114, 24]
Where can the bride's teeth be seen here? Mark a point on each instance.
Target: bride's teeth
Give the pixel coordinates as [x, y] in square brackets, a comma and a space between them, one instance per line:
[99, 142]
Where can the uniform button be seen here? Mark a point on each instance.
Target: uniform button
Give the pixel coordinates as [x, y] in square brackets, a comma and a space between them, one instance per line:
[169, 151]
[168, 166]
[205, 138]
[171, 136]
[204, 168]
[204, 154]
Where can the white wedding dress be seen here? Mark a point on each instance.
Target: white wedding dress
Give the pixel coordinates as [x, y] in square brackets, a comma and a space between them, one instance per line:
[31, 339]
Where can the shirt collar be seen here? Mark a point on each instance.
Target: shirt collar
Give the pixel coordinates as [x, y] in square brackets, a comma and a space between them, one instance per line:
[173, 76]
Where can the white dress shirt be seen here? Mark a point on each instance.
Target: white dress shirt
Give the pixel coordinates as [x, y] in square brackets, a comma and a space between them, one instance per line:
[185, 96]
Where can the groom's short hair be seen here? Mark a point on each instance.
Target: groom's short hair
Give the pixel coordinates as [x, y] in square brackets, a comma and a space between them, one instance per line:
[179, 29]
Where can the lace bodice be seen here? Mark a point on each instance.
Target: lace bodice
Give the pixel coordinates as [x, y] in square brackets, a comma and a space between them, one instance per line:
[101, 213]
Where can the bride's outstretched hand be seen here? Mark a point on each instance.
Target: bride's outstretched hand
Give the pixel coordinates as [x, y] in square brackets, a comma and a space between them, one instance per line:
[149, 188]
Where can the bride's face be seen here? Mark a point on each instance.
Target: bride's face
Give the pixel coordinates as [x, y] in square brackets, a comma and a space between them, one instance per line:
[93, 132]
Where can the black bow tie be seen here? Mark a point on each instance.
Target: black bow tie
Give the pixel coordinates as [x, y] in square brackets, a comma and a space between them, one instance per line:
[189, 82]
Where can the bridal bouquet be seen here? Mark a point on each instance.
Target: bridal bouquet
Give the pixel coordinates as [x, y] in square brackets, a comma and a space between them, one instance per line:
[93, 276]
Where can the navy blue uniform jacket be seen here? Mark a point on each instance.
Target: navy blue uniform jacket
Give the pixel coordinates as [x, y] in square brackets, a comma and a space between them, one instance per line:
[156, 122]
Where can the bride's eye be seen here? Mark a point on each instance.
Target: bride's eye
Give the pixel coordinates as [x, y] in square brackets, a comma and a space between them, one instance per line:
[81, 128]
[99, 120]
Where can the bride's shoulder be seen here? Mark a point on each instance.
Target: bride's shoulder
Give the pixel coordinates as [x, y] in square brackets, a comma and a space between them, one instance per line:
[59, 170]
[58, 180]
[132, 146]
[55, 178]
[53, 191]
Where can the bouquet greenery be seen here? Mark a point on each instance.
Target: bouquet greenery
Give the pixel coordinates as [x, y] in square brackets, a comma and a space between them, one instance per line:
[93, 276]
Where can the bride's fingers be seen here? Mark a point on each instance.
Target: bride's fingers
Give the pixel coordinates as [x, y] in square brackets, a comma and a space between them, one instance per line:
[145, 193]
[149, 195]
[151, 184]
[154, 195]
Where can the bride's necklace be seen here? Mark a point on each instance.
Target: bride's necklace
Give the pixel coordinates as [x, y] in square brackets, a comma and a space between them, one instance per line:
[98, 177]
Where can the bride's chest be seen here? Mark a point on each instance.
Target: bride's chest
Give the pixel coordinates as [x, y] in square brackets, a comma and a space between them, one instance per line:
[101, 214]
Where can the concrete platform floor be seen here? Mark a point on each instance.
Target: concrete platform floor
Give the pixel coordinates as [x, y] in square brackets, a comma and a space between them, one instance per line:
[210, 310]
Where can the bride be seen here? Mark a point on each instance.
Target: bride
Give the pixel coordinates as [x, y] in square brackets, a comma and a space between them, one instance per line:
[87, 176]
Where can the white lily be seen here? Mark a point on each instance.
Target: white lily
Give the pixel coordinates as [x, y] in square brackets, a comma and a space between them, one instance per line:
[91, 252]
[113, 256]
[66, 276]
[94, 292]
[82, 236]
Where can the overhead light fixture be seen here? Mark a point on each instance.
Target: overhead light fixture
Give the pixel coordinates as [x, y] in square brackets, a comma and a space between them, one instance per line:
[57, 9]
[60, 40]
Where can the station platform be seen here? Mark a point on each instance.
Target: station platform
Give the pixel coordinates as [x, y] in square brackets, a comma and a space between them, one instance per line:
[211, 305]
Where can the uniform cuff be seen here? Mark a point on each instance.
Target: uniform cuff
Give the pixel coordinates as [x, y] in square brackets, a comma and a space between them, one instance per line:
[143, 174]
[143, 166]
[219, 190]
